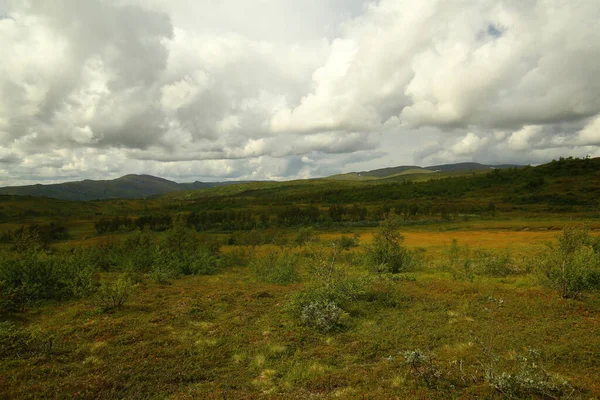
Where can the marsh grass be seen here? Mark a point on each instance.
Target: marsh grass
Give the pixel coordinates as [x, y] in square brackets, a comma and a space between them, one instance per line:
[229, 335]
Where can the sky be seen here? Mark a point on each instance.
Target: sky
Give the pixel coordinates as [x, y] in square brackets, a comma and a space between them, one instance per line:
[217, 90]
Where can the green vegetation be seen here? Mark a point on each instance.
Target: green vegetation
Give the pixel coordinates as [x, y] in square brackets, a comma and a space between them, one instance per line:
[454, 288]
[573, 265]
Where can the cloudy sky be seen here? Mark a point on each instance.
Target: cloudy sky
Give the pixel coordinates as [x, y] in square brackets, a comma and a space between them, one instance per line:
[283, 89]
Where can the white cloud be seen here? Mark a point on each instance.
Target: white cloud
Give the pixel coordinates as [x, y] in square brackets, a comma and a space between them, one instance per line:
[469, 144]
[590, 135]
[520, 140]
[292, 89]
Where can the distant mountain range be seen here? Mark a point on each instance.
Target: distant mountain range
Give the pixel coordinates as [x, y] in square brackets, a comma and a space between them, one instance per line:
[414, 170]
[126, 187]
[141, 186]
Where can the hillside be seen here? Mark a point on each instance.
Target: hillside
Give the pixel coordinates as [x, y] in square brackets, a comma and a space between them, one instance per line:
[126, 187]
[413, 170]
[142, 186]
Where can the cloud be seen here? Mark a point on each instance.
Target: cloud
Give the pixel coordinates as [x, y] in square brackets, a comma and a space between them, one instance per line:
[286, 89]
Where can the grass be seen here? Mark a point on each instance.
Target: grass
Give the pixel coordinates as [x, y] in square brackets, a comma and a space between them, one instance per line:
[227, 336]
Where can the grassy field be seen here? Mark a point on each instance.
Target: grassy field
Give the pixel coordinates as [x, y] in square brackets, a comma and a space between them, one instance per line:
[227, 293]
[229, 335]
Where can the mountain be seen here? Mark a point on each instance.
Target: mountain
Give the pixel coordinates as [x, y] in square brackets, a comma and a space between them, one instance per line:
[405, 170]
[126, 187]
[140, 186]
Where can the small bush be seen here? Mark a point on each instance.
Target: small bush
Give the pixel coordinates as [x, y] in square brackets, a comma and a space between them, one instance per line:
[279, 268]
[18, 342]
[79, 273]
[493, 263]
[199, 262]
[386, 254]
[528, 378]
[328, 285]
[113, 295]
[323, 315]
[572, 266]
[347, 242]
[168, 264]
[422, 367]
[458, 262]
[306, 236]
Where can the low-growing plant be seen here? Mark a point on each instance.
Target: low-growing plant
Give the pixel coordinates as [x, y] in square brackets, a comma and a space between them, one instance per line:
[111, 295]
[347, 242]
[306, 236]
[422, 367]
[18, 342]
[493, 263]
[36, 276]
[528, 378]
[459, 262]
[276, 267]
[329, 287]
[322, 315]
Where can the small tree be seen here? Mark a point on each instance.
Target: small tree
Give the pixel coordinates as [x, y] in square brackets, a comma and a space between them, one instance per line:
[114, 295]
[573, 265]
[386, 253]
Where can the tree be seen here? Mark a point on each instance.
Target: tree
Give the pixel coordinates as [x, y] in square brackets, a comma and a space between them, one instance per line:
[573, 265]
[386, 253]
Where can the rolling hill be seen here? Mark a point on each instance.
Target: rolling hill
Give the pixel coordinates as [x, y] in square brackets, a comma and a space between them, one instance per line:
[142, 186]
[413, 170]
[126, 187]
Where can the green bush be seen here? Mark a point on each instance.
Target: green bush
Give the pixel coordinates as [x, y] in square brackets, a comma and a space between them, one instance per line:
[139, 252]
[493, 263]
[30, 278]
[199, 262]
[459, 262]
[347, 242]
[113, 295]
[275, 267]
[306, 236]
[385, 254]
[330, 290]
[16, 342]
[168, 264]
[572, 265]
[79, 273]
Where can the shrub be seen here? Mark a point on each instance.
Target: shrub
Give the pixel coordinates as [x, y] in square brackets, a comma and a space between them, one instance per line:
[459, 262]
[323, 315]
[493, 263]
[528, 378]
[328, 285]
[139, 252]
[279, 268]
[571, 266]
[168, 264]
[180, 238]
[113, 295]
[386, 254]
[16, 342]
[199, 262]
[32, 277]
[79, 274]
[347, 242]
[306, 236]
[422, 366]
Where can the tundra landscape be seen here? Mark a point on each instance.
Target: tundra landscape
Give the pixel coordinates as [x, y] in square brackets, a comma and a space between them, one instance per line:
[482, 284]
[315, 199]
